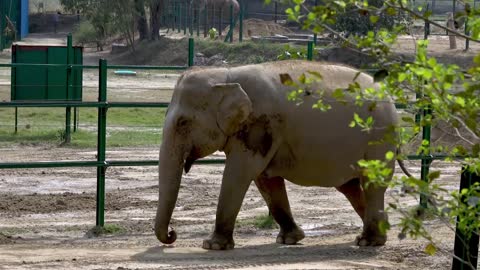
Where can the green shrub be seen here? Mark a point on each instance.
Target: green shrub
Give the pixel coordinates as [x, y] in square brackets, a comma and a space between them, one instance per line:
[85, 33]
[359, 22]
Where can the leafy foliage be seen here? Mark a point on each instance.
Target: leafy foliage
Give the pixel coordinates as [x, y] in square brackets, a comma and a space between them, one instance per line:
[98, 13]
[109, 18]
[444, 94]
[356, 20]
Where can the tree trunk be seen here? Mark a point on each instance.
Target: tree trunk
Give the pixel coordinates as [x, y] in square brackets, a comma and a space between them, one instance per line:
[141, 19]
[155, 11]
[451, 36]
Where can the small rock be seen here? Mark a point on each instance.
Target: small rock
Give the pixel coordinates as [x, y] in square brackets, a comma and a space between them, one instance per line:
[61, 202]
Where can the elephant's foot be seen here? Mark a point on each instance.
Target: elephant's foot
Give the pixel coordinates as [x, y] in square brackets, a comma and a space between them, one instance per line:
[365, 239]
[290, 237]
[218, 242]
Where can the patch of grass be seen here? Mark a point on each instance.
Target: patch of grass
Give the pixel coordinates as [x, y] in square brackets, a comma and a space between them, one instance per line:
[12, 231]
[85, 139]
[29, 136]
[80, 139]
[125, 127]
[56, 116]
[107, 229]
[264, 222]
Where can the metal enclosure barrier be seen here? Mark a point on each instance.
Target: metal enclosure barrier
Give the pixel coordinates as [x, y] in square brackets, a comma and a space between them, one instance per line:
[102, 163]
[102, 105]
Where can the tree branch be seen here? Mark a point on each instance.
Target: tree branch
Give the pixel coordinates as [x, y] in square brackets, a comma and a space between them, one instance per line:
[401, 7]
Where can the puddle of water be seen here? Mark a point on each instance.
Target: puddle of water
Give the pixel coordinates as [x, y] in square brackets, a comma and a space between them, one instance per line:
[311, 226]
[314, 229]
[319, 232]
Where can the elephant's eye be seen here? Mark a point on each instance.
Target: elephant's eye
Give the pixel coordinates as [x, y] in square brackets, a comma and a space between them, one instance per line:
[183, 122]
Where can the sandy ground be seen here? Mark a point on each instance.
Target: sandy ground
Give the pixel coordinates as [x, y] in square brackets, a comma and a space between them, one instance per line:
[46, 214]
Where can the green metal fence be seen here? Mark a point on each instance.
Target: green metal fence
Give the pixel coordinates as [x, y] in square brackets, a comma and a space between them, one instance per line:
[102, 105]
[189, 17]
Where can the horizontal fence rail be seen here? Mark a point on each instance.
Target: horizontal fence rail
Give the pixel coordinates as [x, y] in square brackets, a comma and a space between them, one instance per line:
[101, 164]
[106, 163]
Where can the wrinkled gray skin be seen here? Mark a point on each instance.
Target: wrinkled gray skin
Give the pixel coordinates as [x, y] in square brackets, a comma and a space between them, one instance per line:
[244, 112]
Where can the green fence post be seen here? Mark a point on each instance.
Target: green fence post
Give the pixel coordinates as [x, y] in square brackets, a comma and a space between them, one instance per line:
[191, 51]
[173, 15]
[467, 32]
[232, 24]
[315, 34]
[190, 17]
[418, 115]
[68, 110]
[205, 22]
[16, 120]
[310, 50]
[2, 26]
[75, 110]
[220, 21]
[276, 11]
[179, 18]
[212, 21]
[13, 82]
[101, 142]
[240, 23]
[426, 28]
[76, 119]
[465, 249]
[197, 19]
[185, 19]
[426, 157]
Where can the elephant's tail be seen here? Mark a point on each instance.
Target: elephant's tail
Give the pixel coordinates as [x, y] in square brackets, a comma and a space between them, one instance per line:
[402, 165]
[404, 169]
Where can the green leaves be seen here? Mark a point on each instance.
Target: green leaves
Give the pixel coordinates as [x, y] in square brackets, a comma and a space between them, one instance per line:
[389, 155]
[366, 124]
[421, 85]
[430, 249]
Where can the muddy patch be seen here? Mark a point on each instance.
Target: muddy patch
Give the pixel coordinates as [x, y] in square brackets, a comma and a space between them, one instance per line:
[15, 205]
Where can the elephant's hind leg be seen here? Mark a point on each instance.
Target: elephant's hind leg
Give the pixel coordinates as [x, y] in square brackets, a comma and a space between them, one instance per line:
[355, 195]
[374, 216]
[275, 195]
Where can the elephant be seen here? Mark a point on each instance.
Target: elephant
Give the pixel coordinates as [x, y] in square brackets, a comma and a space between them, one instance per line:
[214, 7]
[244, 112]
[216, 4]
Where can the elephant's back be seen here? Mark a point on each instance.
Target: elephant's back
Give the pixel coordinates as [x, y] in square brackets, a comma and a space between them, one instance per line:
[322, 140]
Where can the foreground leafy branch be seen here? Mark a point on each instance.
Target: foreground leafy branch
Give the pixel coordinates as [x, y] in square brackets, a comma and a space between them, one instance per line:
[440, 93]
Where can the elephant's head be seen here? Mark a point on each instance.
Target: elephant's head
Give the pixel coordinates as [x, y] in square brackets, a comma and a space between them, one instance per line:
[203, 113]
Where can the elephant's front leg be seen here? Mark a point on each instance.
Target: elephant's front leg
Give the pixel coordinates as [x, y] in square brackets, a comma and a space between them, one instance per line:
[236, 180]
[275, 195]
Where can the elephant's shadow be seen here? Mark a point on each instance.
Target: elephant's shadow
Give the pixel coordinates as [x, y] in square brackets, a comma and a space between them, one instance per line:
[256, 255]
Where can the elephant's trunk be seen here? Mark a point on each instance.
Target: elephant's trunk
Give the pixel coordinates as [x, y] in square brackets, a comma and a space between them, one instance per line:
[170, 174]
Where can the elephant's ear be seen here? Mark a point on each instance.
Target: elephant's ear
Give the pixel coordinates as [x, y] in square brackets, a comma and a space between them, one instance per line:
[234, 107]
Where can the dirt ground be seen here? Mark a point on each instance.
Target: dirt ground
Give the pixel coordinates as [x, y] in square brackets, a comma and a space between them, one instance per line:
[46, 214]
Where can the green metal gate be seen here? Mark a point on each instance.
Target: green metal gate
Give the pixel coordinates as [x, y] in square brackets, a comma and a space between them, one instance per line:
[44, 82]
